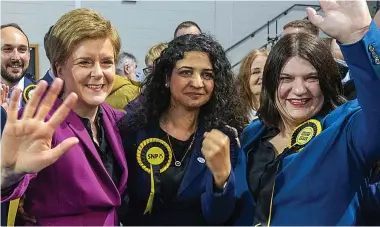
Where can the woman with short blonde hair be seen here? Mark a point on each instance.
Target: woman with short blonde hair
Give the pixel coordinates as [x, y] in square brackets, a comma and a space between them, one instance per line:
[83, 186]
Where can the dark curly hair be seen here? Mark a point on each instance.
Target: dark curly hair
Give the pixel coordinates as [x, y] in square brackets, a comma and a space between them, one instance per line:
[222, 108]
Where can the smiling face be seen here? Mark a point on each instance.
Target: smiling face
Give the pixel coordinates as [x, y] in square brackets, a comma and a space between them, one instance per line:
[14, 54]
[191, 83]
[299, 96]
[89, 71]
[256, 78]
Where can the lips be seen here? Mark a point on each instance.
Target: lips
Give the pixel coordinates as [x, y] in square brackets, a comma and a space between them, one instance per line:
[194, 95]
[95, 87]
[298, 102]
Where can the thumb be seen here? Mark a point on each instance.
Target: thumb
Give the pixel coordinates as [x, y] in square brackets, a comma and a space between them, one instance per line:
[55, 153]
[313, 17]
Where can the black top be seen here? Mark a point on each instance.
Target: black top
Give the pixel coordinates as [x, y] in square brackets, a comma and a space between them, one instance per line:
[104, 148]
[171, 179]
[262, 166]
[167, 209]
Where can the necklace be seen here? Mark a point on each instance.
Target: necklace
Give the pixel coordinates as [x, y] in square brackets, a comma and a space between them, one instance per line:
[176, 162]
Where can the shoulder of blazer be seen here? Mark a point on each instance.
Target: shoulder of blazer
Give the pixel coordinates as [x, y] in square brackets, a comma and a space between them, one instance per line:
[28, 82]
[114, 114]
[251, 133]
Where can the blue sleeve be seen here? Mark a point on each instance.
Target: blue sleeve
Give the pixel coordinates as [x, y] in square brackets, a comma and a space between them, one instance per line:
[235, 205]
[363, 61]
[3, 119]
[218, 207]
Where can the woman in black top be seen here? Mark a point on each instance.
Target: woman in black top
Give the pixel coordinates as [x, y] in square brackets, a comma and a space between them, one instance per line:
[180, 163]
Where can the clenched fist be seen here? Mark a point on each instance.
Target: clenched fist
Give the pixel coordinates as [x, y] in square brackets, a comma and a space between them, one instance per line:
[216, 150]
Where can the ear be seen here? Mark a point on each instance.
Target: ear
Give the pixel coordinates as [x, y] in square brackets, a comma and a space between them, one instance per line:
[126, 69]
[59, 70]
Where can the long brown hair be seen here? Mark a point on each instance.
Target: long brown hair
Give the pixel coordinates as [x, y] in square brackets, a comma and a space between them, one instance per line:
[242, 83]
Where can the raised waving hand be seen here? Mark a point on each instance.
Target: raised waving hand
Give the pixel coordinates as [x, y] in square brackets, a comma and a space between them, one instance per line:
[346, 21]
[26, 142]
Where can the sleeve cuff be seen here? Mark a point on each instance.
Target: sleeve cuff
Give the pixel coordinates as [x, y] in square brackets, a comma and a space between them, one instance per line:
[215, 191]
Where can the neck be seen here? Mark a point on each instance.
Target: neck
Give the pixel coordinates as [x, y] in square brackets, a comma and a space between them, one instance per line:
[84, 111]
[181, 119]
[286, 129]
[256, 101]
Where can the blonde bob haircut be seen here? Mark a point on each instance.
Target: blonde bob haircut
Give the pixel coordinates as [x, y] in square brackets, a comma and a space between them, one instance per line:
[76, 26]
[154, 52]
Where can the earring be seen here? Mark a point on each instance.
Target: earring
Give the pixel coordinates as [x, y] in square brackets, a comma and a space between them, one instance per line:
[167, 84]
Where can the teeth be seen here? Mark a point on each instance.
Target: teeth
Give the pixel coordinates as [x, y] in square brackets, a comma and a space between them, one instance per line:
[94, 86]
[299, 100]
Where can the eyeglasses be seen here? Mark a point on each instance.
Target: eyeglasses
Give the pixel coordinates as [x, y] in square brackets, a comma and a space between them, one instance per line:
[147, 70]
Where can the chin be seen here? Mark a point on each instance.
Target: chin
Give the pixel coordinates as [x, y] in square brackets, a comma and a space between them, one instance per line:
[301, 117]
[95, 101]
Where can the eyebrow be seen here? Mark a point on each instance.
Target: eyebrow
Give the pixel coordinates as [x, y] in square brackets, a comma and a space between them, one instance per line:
[309, 74]
[188, 67]
[90, 58]
[10, 45]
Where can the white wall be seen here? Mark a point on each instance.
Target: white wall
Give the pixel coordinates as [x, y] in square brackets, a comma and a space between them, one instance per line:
[145, 23]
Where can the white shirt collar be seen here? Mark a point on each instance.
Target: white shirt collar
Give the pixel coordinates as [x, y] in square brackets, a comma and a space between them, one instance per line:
[51, 74]
[21, 84]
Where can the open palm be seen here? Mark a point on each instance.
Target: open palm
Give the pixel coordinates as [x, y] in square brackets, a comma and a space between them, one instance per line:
[346, 21]
[26, 143]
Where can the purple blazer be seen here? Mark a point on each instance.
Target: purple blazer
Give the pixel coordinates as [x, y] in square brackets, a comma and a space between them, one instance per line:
[76, 190]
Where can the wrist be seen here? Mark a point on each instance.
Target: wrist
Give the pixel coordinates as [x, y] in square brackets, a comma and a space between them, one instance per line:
[354, 37]
[220, 180]
[9, 178]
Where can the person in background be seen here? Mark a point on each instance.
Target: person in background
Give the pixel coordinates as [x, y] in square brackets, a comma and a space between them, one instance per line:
[124, 89]
[181, 170]
[49, 75]
[249, 82]
[153, 53]
[126, 66]
[300, 26]
[68, 160]
[187, 27]
[311, 151]
[348, 83]
[15, 56]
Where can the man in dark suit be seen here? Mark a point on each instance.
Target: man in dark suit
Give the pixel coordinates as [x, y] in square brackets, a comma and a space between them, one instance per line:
[15, 56]
[49, 75]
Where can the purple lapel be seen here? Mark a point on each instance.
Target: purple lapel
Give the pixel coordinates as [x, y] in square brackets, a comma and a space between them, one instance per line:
[113, 136]
[77, 126]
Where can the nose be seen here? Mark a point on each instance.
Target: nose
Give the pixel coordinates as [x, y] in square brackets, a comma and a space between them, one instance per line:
[197, 81]
[97, 71]
[15, 55]
[299, 87]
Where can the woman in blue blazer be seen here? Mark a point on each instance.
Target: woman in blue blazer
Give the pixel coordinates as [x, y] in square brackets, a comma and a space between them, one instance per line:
[307, 159]
[180, 163]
